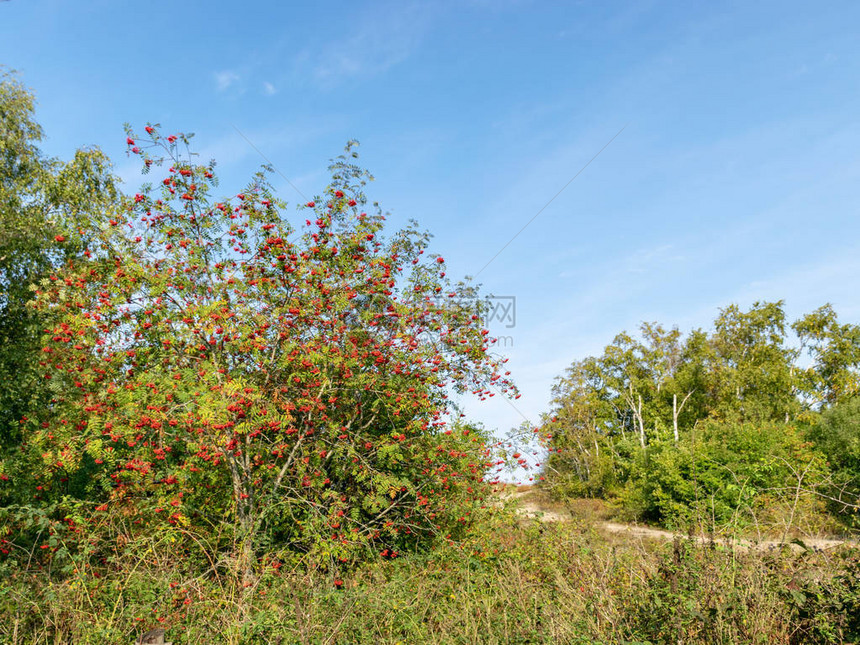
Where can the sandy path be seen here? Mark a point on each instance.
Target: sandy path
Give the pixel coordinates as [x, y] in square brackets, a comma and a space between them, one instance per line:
[646, 532]
[531, 509]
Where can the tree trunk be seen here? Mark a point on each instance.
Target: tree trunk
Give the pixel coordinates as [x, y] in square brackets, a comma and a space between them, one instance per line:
[244, 507]
[676, 412]
[675, 417]
[245, 560]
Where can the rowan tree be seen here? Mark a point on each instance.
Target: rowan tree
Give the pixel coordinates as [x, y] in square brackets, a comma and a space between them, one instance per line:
[216, 367]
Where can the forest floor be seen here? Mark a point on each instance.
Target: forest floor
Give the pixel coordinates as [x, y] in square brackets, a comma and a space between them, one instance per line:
[535, 504]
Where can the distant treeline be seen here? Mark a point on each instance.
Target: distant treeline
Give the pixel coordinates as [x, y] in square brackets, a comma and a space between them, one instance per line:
[754, 422]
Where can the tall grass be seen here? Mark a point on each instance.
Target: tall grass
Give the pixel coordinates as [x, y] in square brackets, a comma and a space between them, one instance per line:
[516, 583]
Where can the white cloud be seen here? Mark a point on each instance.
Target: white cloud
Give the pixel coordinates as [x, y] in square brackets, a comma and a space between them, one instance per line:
[379, 42]
[225, 79]
[269, 89]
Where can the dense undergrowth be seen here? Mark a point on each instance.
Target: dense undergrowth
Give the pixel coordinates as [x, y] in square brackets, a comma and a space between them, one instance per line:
[516, 582]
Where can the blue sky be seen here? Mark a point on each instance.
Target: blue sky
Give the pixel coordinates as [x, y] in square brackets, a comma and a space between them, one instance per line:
[734, 180]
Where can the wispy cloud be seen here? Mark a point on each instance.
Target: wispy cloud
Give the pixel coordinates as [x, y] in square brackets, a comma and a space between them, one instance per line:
[269, 89]
[224, 79]
[281, 145]
[832, 279]
[653, 258]
[381, 41]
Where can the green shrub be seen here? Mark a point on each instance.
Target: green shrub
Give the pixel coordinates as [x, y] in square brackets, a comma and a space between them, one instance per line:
[725, 473]
[836, 433]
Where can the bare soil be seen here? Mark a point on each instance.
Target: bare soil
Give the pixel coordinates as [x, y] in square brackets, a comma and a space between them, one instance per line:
[532, 505]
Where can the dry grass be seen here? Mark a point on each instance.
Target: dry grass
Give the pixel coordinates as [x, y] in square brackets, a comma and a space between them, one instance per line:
[518, 582]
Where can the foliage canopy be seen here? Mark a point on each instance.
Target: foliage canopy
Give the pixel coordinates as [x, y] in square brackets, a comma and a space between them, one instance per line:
[208, 366]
